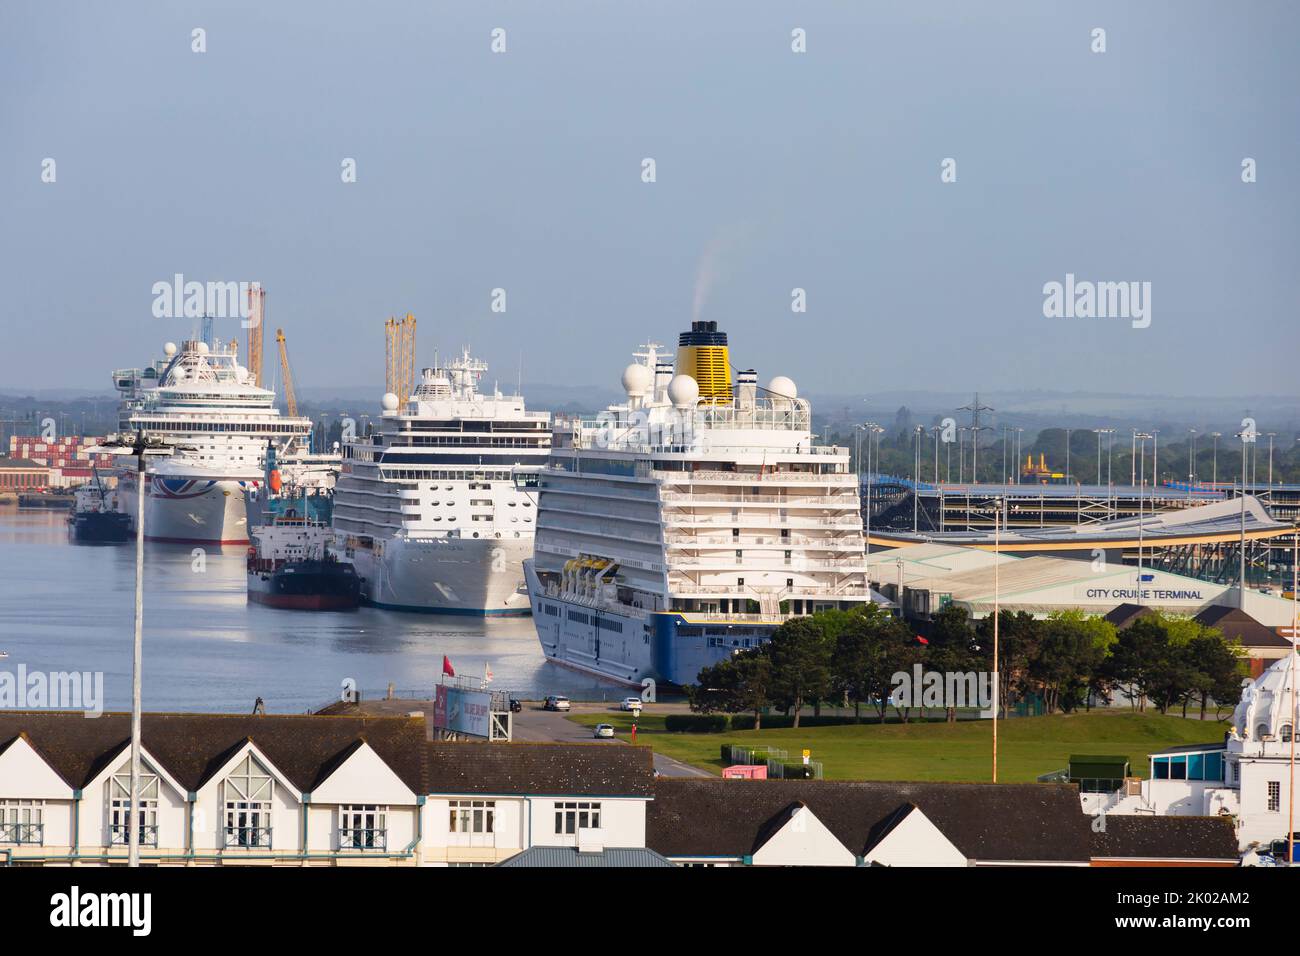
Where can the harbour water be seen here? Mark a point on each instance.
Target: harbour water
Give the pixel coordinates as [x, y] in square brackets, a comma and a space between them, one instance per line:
[68, 607]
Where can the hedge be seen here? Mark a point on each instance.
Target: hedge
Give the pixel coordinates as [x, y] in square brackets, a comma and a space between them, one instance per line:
[696, 723]
[779, 721]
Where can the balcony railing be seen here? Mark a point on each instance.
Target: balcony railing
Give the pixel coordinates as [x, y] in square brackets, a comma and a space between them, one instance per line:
[353, 838]
[119, 834]
[249, 837]
[22, 833]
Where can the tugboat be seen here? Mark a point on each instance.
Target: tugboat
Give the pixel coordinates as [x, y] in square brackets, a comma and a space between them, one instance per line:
[288, 564]
[95, 518]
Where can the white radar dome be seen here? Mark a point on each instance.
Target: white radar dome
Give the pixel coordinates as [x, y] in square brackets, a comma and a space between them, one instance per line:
[783, 386]
[202, 348]
[683, 391]
[169, 349]
[389, 402]
[637, 379]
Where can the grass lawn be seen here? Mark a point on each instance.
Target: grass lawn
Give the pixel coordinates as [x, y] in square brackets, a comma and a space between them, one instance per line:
[1027, 746]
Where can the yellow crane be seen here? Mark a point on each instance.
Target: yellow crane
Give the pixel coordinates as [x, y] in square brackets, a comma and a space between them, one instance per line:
[290, 400]
[256, 315]
[400, 337]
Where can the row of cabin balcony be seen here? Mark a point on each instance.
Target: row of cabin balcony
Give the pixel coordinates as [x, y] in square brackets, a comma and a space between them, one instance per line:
[780, 476]
[760, 560]
[704, 496]
[850, 542]
[694, 520]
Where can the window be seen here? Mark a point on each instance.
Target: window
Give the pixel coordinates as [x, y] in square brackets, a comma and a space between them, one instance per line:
[572, 817]
[119, 808]
[248, 805]
[1274, 796]
[472, 816]
[22, 821]
[363, 827]
[1286, 733]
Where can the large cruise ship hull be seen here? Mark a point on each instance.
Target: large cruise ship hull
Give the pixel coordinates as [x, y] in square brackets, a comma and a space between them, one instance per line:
[181, 510]
[446, 575]
[631, 647]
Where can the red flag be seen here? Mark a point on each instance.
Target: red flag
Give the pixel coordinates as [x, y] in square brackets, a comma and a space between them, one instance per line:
[922, 639]
[447, 669]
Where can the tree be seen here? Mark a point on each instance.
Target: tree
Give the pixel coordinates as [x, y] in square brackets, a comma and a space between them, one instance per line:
[1019, 637]
[740, 683]
[1074, 646]
[1219, 667]
[801, 658]
[953, 647]
[860, 664]
[1139, 658]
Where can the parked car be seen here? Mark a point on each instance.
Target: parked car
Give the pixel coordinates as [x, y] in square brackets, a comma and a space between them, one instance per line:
[515, 706]
[556, 702]
[604, 730]
[630, 703]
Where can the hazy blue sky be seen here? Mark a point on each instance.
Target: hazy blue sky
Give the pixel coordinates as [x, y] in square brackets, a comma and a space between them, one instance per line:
[775, 170]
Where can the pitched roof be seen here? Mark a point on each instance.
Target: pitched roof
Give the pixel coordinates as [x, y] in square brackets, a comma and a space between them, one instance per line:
[568, 856]
[1236, 624]
[192, 747]
[594, 769]
[1125, 614]
[692, 817]
[1166, 838]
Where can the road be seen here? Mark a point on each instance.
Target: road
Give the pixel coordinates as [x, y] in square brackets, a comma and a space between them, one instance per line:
[536, 725]
[547, 726]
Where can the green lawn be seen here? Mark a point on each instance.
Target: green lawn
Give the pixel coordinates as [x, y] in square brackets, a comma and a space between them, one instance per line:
[1027, 746]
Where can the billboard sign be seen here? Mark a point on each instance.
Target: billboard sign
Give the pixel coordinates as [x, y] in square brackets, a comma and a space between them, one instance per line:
[462, 711]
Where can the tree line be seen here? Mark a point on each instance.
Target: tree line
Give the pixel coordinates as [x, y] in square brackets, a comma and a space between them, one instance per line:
[1068, 660]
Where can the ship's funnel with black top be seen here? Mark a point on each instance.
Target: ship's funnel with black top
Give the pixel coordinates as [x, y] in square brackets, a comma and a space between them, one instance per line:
[702, 354]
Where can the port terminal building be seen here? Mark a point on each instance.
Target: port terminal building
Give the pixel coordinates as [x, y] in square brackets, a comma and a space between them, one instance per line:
[1204, 541]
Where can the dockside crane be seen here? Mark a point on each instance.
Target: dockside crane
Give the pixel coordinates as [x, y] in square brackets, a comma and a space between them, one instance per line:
[256, 316]
[290, 400]
[400, 339]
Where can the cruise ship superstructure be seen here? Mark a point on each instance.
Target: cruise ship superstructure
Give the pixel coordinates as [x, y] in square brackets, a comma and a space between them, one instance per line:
[199, 398]
[689, 522]
[436, 507]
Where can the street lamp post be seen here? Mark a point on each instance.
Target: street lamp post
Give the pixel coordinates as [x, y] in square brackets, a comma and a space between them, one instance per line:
[916, 476]
[997, 682]
[142, 448]
[1143, 436]
[872, 429]
[1214, 461]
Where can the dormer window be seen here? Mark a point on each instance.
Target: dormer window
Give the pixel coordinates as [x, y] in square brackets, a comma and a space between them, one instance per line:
[119, 807]
[248, 793]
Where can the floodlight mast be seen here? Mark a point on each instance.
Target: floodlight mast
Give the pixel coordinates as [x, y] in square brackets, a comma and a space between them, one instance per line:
[141, 447]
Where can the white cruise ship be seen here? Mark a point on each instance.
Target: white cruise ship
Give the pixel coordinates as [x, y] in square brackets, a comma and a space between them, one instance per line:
[437, 506]
[199, 397]
[691, 521]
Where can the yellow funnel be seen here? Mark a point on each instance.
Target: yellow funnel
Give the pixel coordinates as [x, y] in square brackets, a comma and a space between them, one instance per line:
[702, 354]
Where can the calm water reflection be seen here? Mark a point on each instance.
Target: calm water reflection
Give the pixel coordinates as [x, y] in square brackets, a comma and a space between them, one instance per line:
[65, 606]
